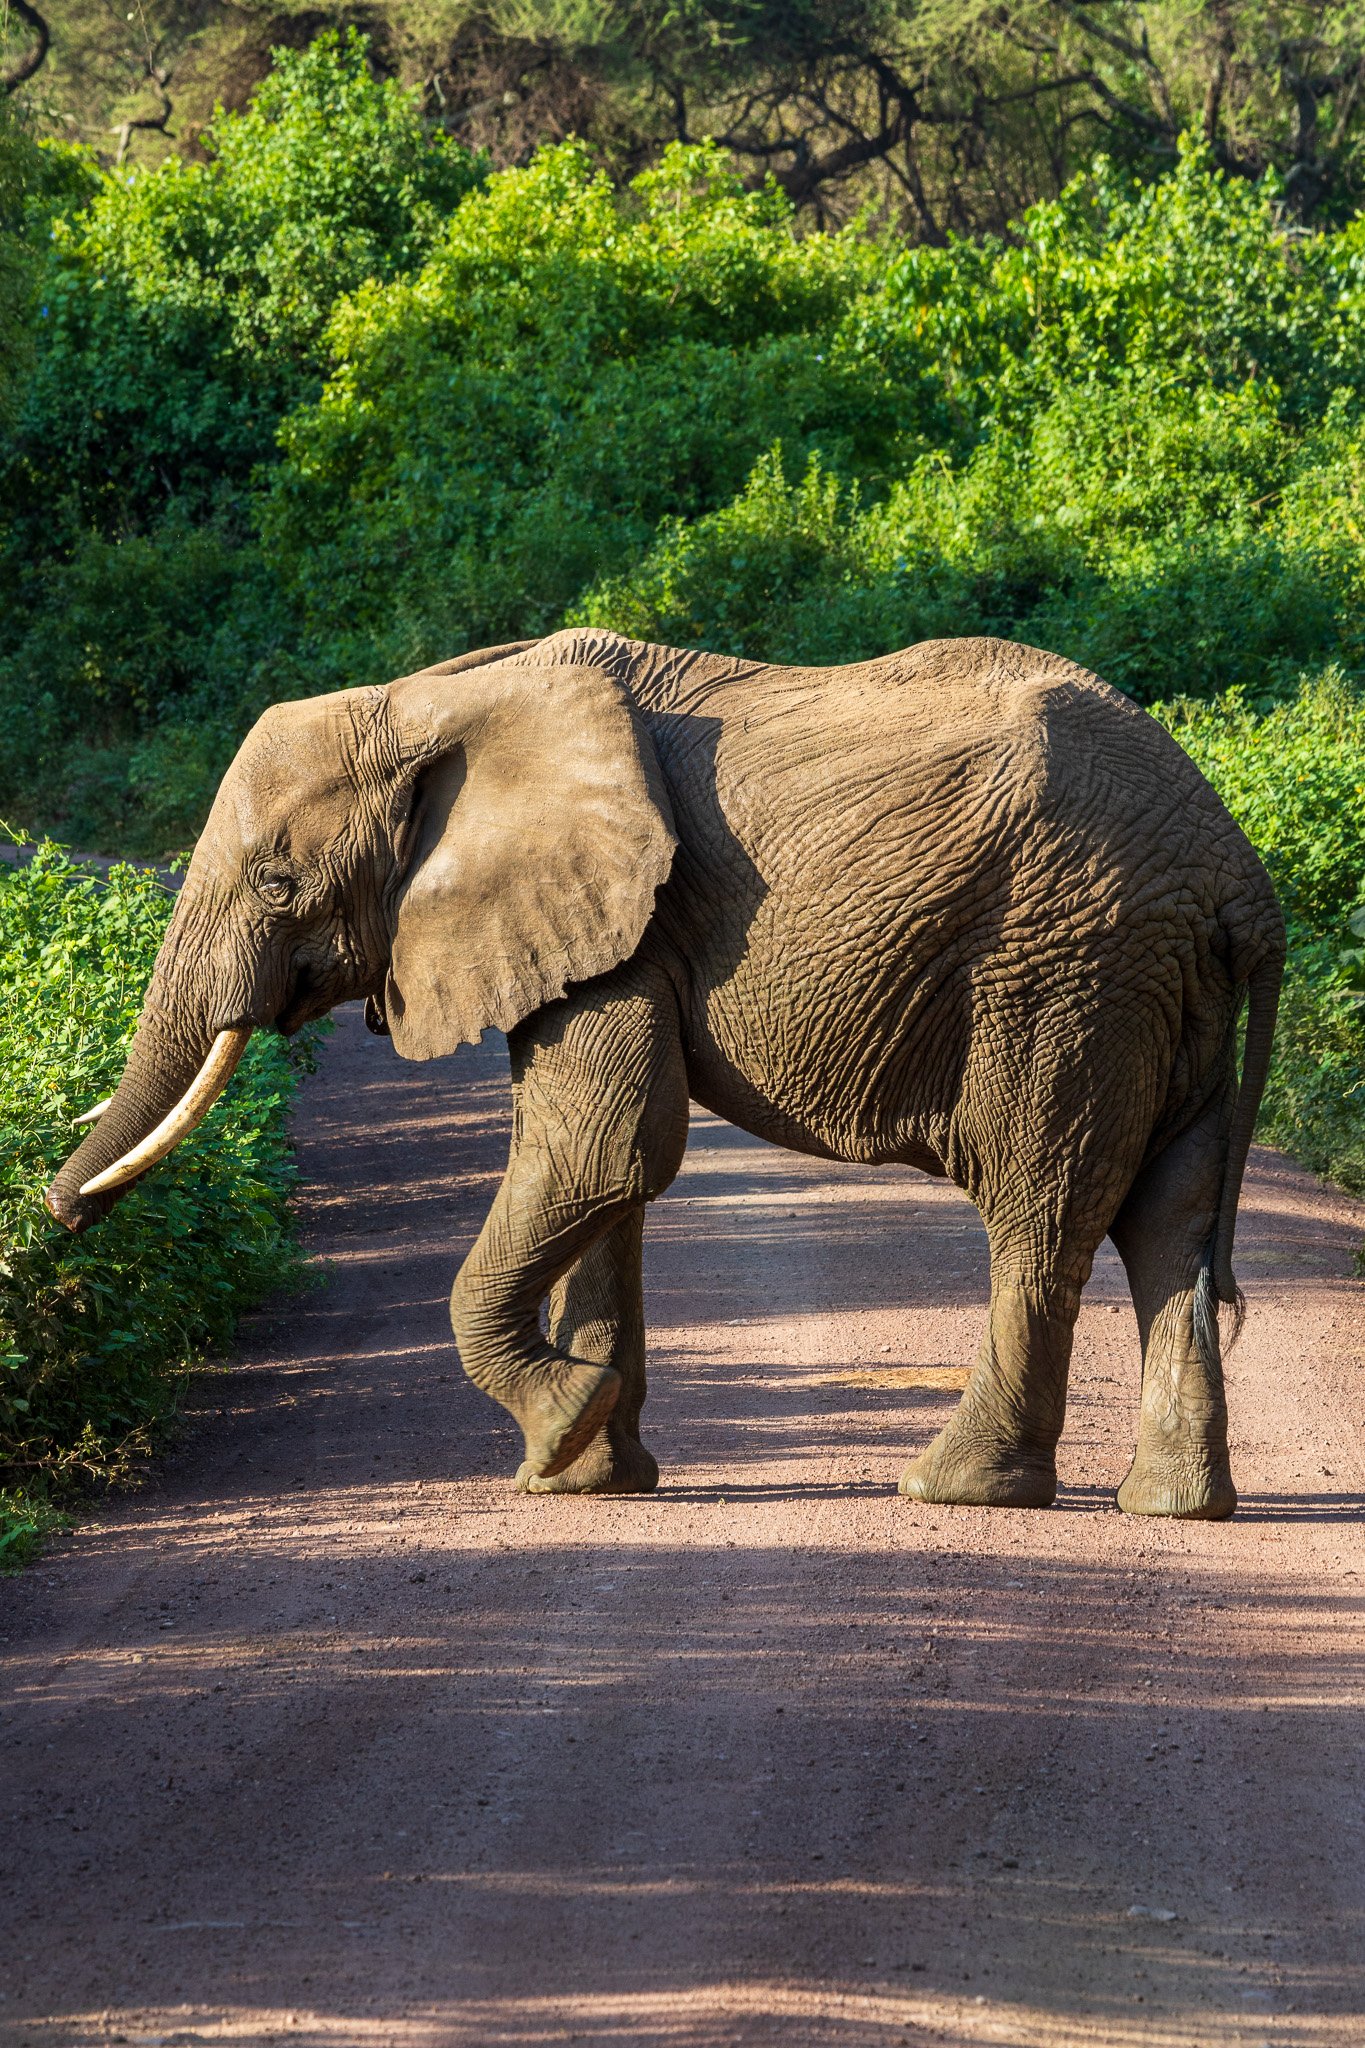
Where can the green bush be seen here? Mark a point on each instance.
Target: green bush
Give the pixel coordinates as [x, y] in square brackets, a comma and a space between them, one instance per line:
[1314, 1104]
[1133, 437]
[1193, 277]
[17, 269]
[97, 1332]
[571, 366]
[183, 309]
[293, 424]
[178, 317]
[1136, 527]
[1294, 779]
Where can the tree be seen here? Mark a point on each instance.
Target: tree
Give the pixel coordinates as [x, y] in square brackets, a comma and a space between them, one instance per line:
[20, 68]
[948, 115]
[941, 116]
[18, 159]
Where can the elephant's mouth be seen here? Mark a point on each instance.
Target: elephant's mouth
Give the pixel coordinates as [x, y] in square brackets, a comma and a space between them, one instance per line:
[304, 1004]
[293, 1017]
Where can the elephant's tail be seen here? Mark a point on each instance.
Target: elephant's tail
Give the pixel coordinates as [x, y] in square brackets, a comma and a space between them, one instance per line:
[1217, 1281]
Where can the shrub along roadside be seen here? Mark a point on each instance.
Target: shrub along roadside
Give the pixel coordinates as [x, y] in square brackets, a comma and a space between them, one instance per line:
[1294, 779]
[97, 1333]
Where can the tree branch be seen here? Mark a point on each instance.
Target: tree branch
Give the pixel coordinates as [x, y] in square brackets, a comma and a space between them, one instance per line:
[1080, 14]
[800, 182]
[159, 77]
[24, 67]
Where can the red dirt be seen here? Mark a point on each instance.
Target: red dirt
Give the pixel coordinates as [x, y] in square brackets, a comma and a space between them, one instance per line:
[329, 1737]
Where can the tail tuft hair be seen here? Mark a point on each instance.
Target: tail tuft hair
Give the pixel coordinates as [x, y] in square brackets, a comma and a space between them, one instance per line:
[1207, 1299]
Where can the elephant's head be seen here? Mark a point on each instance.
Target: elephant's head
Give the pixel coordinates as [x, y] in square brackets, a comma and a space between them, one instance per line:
[458, 846]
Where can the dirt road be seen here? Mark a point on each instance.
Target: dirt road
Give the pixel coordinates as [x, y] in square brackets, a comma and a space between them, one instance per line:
[330, 1738]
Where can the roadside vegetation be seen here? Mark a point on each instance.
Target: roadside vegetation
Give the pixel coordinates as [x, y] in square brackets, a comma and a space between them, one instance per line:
[97, 1333]
[339, 397]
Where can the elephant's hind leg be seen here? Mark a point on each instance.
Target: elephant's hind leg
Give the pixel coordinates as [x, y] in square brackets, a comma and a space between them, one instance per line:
[1048, 1154]
[998, 1449]
[597, 1312]
[1162, 1232]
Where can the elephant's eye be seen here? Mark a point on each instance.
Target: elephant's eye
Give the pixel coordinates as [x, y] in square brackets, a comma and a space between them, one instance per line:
[277, 886]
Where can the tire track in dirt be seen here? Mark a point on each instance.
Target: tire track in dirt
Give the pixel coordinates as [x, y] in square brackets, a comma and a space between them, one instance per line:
[329, 1737]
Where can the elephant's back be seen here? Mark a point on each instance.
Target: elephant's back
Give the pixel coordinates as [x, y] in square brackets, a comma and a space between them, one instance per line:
[979, 747]
[943, 755]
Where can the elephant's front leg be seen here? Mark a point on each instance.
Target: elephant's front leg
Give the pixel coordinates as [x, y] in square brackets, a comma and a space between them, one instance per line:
[600, 1124]
[597, 1311]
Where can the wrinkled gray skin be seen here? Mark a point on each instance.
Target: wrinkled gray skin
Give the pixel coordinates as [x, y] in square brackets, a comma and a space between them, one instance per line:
[964, 907]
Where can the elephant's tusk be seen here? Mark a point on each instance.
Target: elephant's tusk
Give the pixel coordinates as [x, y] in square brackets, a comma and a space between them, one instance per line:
[193, 1106]
[92, 1116]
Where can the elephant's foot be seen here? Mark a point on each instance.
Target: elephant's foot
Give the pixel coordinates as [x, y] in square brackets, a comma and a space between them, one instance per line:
[606, 1466]
[1192, 1484]
[563, 1414]
[952, 1472]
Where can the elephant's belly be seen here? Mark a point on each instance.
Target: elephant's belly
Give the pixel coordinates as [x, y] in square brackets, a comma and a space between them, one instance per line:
[812, 1111]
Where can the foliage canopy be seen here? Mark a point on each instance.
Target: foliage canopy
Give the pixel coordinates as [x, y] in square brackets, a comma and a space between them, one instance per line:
[943, 116]
[96, 1333]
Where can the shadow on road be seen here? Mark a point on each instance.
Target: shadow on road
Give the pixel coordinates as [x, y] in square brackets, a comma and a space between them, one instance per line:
[661, 1788]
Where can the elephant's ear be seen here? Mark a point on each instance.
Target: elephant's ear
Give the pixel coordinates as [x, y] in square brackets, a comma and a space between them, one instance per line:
[539, 832]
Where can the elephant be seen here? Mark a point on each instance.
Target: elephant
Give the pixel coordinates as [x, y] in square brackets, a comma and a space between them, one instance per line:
[963, 907]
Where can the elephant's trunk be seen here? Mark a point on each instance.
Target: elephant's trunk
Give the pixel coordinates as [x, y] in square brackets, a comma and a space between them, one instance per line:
[193, 1106]
[168, 1086]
